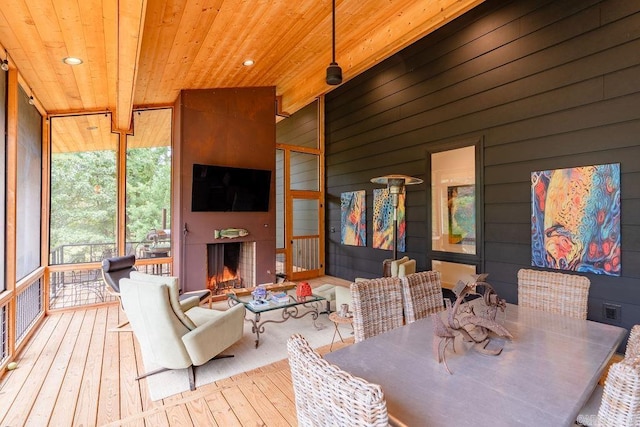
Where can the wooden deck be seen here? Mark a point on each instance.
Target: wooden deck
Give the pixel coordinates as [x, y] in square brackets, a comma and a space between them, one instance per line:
[75, 372]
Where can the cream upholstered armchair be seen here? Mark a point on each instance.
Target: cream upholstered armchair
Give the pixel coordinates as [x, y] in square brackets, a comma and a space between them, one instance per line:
[398, 267]
[175, 336]
[116, 268]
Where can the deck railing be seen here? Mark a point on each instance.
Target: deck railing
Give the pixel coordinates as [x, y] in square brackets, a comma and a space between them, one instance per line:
[29, 307]
[75, 277]
[305, 253]
[4, 334]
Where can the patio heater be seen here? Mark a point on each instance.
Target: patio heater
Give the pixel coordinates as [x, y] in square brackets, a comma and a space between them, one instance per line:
[396, 184]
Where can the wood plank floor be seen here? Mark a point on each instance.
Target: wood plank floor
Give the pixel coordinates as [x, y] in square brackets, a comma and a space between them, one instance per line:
[76, 372]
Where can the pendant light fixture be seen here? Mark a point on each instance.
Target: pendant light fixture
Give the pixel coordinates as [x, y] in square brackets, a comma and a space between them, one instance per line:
[4, 64]
[334, 72]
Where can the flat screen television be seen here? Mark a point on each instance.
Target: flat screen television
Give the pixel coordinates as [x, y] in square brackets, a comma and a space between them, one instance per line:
[229, 189]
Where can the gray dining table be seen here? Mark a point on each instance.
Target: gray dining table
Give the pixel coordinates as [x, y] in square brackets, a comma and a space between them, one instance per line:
[543, 376]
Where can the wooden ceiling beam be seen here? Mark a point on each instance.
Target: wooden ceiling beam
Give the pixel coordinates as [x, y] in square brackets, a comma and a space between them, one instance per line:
[131, 15]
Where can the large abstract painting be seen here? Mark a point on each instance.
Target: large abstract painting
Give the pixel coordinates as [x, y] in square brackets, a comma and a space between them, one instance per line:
[461, 207]
[383, 220]
[575, 221]
[353, 226]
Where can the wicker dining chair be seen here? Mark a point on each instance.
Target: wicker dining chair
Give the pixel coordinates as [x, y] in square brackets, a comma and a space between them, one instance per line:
[325, 395]
[560, 293]
[620, 402]
[589, 413]
[633, 342]
[422, 295]
[377, 306]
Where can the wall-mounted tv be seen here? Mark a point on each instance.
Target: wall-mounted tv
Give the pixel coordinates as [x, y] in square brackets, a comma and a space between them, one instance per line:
[229, 189]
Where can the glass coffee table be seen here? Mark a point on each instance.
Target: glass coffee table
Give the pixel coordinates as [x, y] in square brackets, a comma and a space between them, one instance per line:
[290, 309]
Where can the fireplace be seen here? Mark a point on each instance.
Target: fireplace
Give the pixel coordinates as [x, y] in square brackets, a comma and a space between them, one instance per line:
[230, 265]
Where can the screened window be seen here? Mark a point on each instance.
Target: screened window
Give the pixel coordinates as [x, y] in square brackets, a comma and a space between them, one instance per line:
[280, 209]
[148, 186]
[83, 189]
[305, 171]
[3, 184]
[29, 187]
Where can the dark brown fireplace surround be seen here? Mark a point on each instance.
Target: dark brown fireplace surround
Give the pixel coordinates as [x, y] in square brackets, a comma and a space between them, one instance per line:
[227, 127]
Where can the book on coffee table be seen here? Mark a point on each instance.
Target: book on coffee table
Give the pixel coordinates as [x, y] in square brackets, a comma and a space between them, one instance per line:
[258, 303]
[280, 297]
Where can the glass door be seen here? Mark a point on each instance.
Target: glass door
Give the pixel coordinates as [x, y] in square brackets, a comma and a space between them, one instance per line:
[305, 238]
[299, 214]
[300, 195]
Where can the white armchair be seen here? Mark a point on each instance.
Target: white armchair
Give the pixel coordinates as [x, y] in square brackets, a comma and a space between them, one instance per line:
[175, 336]
[398, 267]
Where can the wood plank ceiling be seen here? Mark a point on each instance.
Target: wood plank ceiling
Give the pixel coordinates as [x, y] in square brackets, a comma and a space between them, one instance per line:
[141, 53]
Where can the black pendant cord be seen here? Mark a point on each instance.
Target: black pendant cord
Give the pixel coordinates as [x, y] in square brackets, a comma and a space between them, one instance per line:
[334, 72]
[333, 31]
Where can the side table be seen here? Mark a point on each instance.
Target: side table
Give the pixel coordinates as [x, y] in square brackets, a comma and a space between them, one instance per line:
[338, 320]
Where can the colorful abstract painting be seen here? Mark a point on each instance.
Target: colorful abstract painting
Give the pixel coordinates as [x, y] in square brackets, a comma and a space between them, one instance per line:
[461, 206]
[575, 221]
[353, 226]
[383, 220]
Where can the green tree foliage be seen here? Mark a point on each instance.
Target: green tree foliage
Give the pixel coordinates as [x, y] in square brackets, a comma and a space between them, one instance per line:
[84, 196]
[148, 190]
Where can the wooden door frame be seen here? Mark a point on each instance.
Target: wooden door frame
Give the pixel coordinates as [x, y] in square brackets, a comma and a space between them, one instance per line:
[319, 195]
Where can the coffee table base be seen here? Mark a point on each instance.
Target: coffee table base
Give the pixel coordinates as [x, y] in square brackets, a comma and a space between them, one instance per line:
[287, 313]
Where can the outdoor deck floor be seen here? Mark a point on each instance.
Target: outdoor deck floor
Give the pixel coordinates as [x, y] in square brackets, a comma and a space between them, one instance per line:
[75, 371]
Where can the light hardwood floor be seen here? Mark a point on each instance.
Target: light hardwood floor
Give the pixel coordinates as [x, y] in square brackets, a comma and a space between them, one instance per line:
[75, 372]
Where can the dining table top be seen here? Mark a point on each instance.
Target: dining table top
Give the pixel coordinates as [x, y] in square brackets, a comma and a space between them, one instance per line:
[543, 376]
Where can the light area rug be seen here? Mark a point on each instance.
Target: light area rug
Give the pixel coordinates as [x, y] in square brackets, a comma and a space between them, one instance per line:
[272, 348]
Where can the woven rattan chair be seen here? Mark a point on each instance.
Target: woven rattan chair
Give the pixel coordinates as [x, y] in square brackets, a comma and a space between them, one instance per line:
[377, 306]
[633, 343]
[588, 413]
[422, 295]
[559, 293]
[325, 395]
[620, 402]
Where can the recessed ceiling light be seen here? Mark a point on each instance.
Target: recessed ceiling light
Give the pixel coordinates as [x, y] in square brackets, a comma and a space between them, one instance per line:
[70, 60]
[248, 62]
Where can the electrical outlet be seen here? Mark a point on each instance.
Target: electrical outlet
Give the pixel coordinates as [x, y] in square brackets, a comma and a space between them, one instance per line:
[612, 311]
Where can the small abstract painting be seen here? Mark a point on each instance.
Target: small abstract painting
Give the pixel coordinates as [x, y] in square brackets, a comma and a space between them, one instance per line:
[461, 205]
[353, 226]
[575, 219]
[383, 220]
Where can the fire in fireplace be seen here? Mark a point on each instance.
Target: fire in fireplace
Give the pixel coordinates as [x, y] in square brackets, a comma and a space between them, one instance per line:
[230, 265]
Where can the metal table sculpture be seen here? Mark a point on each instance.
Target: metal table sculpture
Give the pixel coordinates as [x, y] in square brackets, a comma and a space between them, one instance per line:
[474, 322]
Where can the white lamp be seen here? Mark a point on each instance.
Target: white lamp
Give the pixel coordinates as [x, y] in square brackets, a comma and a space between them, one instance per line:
[395, 184]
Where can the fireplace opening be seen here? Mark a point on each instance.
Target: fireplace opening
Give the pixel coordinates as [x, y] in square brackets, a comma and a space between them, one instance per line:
[230, 265]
